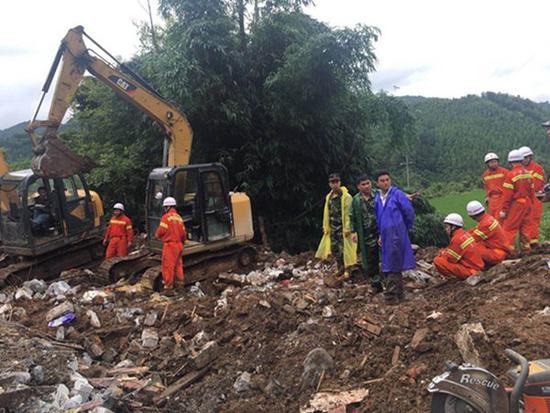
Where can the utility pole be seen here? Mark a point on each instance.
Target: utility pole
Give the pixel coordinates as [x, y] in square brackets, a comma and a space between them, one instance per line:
[407, 163]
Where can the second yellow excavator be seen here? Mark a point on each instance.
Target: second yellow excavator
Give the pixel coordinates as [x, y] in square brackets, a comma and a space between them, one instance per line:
[218, 221]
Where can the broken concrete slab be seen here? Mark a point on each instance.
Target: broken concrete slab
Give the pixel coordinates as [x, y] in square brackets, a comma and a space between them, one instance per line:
[23, 293]
[243, 382]
[332, 402]
[61, 309]
[36, 286]
[466, 338]
[94, 319]
[149, 338]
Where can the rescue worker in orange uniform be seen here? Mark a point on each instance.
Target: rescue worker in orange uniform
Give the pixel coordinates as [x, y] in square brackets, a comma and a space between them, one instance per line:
[518, 198]
[489, 234]
[171, 231]
[462, 258]
[120, 234]
[537, 173]
[493, 178]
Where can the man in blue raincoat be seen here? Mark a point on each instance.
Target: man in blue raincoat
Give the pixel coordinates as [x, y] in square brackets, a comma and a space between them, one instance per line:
[394, 216]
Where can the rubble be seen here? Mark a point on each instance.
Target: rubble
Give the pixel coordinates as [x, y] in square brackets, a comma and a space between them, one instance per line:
[61, 309]
[36, 286]
[23, 293]
[466, 339]
[58, 288]
[282, 344]
[94, 319]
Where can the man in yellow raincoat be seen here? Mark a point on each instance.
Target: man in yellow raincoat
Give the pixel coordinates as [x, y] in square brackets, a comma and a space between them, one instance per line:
[337, 240]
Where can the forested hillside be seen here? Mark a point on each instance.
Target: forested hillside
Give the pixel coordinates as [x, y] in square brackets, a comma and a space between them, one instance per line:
[452, 135]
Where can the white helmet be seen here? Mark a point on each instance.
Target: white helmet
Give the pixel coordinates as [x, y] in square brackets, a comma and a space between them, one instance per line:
[490, 156]
[474, 208]
[454, 219]
[526, 151]
[515, 155]
[118, 205]
[169, 201]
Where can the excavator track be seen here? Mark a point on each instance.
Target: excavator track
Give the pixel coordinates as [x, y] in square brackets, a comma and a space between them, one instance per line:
[146, 265]
[49, 265]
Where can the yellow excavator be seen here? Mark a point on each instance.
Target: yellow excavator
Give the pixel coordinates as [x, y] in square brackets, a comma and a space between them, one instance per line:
[218, 221]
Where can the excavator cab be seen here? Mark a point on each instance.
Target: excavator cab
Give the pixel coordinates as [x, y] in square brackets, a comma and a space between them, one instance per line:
[205, 203]
[39, 215]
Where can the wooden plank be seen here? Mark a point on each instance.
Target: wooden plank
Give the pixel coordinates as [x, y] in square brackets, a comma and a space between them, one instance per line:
[182, 383]
[128, 370]
[395, 356]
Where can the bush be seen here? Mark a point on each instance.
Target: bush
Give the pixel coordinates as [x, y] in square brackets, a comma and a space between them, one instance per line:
[429, 231]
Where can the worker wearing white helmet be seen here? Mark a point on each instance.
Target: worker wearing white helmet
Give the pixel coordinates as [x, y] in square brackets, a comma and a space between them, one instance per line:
[171, 231]
[493, 178]
[119, 234]
[488, 233]
[517, 201]
[462, 257]
[537, 173]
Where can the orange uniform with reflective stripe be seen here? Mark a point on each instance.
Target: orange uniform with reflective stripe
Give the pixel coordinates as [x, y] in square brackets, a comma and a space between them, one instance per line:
[493, 180]
[119, 235]
[171, 232]
[462, 258]
[519, 195]
[491, 239]
[535, 217]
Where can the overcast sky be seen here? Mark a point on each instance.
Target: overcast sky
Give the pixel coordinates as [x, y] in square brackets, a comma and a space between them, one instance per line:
[427, 47]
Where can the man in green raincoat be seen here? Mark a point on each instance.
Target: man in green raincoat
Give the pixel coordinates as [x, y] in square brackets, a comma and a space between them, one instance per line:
[365, 231]
[336, 239]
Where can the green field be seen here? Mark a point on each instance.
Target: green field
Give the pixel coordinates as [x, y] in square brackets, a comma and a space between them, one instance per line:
[457, 203]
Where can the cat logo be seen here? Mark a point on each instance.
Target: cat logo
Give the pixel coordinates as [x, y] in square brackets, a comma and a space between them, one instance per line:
[122, 83]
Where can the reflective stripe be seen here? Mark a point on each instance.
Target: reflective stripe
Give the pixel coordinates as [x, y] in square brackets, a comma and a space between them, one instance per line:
[507, 185]
[495, 176]
[128, 227]
[454, 254]
[175, 218]
[116, 221]
[534, 241]
[521, 176]
[493, 225]
[163, 225]
[538, 176]
[466, 243]
[480, 234]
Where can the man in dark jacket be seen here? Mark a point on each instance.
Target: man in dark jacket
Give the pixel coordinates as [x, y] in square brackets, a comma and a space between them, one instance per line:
[365, 231]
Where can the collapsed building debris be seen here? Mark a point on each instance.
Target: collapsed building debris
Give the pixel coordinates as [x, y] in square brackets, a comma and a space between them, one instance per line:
[276, 338]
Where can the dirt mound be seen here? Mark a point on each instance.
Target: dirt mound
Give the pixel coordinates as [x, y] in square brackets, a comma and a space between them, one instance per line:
[239, 344]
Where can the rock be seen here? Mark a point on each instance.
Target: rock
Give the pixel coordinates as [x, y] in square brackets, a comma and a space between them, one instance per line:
[274, 388]
[205, 355]
[83, 388]
[475, 280]
[328, 311]
[243, 383]
[256, 278]
[23, 293]
[58, 288]
[544, 312]
[60, 334]
[4, 298]
[94, 319]
[466, 338]
[301, 304]
[334, 401]
[434, 315]
[15, 377]
[316, 362]
[61, 309]
[149, 338]
[125, 314]
[151, 319]
[36, 286]
[60, 396]
[87, 360]
[93, 296]
[419, 337]
[222, 306]
[37, 374]
[101, 409]
[5, 310]
[264, 304]
[73, 402]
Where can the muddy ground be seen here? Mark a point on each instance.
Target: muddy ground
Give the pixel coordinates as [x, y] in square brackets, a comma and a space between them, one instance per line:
[238, 344]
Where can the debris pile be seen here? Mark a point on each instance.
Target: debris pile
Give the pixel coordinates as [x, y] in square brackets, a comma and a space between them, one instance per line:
[276, 338]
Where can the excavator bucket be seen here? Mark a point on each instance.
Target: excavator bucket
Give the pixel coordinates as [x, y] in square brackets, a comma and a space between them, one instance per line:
[53, 159]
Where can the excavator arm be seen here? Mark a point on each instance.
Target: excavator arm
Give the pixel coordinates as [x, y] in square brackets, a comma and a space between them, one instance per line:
[52, 157]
